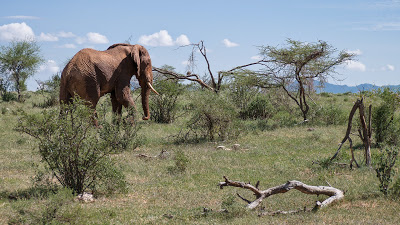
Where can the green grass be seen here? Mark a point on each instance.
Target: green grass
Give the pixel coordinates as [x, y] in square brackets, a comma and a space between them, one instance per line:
[156, 196]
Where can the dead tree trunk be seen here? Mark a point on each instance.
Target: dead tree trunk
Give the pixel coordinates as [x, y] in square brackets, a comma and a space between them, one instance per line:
[364, 133]
[333, 193]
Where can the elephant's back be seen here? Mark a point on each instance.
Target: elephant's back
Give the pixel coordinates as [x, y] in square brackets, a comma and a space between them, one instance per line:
[78, 72]
[80, 63]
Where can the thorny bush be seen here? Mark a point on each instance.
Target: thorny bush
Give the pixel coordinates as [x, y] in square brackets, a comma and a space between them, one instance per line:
[76, 152]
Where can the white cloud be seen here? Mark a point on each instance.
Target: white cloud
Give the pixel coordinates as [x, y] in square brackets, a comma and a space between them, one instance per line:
[64, 34]
[355, 65]
[23, 17]
[92, 38]
[182, 40]
[49, 67]
[388, 67]
[68, 46]
[96, 38]
[16, 31]
[161, 38]
[355, 52]
[257, 57]
[47, 37]
[229, 44]
[185, 63]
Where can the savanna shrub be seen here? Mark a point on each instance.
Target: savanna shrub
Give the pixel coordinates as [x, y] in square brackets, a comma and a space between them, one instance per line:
[181, 162]
[51, 86]
[384, 168]
[330, 114]
[9, 96]
[75, 151]
[241, 91]
[258, 108]
[212, 119]
[284, 119]
[164, 107]
[384, 119]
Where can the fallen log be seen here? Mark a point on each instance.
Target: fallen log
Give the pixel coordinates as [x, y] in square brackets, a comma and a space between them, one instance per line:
[333, 193]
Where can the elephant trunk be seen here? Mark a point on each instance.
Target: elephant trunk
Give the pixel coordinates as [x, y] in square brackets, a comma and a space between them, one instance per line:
[145, 102]
[146, 89]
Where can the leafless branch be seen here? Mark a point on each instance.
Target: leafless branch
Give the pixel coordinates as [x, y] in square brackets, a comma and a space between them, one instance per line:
[333, 193]
[189, 76]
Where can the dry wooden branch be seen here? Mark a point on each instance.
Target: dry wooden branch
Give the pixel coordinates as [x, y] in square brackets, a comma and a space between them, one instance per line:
[189, 76]
[364, 133]
[333, 193]
[353, 110]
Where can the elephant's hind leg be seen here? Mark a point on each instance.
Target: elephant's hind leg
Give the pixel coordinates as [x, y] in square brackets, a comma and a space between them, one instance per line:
[116, 106]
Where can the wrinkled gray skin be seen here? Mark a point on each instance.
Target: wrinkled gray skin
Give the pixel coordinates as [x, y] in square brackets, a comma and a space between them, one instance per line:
[91, 74]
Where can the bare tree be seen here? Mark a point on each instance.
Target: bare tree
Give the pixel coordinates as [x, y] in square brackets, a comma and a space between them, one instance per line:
[214, 83]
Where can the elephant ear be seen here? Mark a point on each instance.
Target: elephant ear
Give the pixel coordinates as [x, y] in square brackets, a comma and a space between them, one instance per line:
[136, 58]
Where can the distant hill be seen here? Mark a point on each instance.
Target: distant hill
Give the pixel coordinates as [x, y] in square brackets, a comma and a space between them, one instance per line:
[335, 89]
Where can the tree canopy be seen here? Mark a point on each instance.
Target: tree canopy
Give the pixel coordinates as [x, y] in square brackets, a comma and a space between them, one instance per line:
[295, 66]
[18, 61]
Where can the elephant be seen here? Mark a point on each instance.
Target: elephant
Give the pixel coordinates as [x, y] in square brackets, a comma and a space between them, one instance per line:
[90, 74]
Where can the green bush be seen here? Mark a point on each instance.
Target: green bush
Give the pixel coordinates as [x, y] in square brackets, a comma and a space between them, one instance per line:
[330, 114]
[284, 119]
[181, 162]
[385, 122]
[382, 118]
[9, 96]
[384, 168]
[164, 107]
[212, 119]
[76, 152]
[52, 86]
[258, 108]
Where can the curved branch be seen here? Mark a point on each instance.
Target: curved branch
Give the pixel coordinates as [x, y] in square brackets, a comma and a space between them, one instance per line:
[189, 76]
[333, 193]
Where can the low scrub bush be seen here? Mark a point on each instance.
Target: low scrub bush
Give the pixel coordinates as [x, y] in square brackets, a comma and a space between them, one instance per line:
[330, 114]
[75, 151]
[164, 107]
[52, 87]
[384, 167]
[9, 96]
[258, 108]
[213, 118]
[385, 122]
[284, 119]
[181, 161]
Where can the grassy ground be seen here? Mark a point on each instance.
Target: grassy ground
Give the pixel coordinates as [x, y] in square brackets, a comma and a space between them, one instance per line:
[156, 196]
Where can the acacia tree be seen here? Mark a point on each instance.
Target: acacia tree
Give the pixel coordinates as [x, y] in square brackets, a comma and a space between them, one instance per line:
[18, 61]
[295, 67]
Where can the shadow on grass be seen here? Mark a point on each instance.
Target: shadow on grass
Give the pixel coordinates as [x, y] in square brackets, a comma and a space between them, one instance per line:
[32, 192]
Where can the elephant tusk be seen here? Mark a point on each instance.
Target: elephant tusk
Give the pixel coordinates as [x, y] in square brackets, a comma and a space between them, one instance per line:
[151, 87]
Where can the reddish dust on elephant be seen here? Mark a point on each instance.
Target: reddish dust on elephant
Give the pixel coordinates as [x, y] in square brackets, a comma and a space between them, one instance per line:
[91, 74]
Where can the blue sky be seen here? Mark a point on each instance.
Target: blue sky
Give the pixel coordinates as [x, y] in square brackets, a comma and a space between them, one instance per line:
[231, 31]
